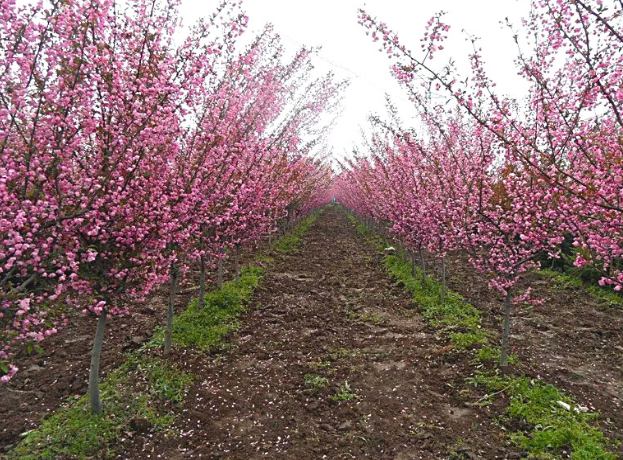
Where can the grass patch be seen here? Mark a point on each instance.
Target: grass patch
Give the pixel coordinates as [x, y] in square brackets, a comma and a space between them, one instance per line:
[467, 340]
[552, 430]
[454, 313]
[344, 393]
[203, 329]
[315, 382]
[367, 317]
[74, 432]
[341, 353]
[565, 281]
[492, 354]
[290, 242]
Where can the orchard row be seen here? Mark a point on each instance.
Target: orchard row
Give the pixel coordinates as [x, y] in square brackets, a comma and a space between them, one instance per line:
[131, 147]
[511, 182]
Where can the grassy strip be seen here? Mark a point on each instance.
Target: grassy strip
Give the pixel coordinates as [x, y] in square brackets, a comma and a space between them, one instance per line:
[551, 432]
[130, 392]
[554, 430]
[459, 319]
[605, 296]
[129, 395]
[289, 243]
[204, 329]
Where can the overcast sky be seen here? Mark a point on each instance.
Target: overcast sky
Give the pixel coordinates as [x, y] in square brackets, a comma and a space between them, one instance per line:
[348, 52]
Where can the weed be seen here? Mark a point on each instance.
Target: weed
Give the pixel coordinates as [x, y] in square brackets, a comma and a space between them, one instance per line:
[76, 433]
[554, 428]
[315, 382]
[466, 340]
[489, 353]
[344, 393]
[341, 353]
[319, 364]
[370, 317]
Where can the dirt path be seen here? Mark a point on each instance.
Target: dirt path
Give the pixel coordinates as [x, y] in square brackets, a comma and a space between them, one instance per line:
[332, 362]
[60, 373]
[572, 340]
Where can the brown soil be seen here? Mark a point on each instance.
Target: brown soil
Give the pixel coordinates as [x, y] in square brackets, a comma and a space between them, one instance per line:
[330, 311]
[60, 373]
[572, 340]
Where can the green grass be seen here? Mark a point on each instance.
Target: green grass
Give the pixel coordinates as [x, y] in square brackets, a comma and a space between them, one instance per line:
[565, 281]
[553, 429]
[315, 382]
[489, 353]
[203, 329]
[73, 432]
[467, 340]
[290, 242]
[453, 314]
[550, 429]
[344, 393]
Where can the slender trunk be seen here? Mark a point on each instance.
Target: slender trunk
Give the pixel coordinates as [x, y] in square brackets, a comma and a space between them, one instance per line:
[442, 293]
[219, 271]
[237, 262]
[506, 331]
[423, 262]
[96, 353]
[202, 282]
[413, 264]
[168, 339]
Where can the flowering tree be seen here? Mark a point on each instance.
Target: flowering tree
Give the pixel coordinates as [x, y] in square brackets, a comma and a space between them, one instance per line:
[507, 181]
[122, 152]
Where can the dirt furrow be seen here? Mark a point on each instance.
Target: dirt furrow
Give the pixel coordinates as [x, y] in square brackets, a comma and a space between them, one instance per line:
[332, 362]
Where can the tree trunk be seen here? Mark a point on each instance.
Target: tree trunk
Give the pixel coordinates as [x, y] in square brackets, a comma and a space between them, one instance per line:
[202, 282]
[237, 262]
[423, 262]
[96, 353]
[413, 264]
[442, 293]
[506, 331]
[219, 271]
[168, 339]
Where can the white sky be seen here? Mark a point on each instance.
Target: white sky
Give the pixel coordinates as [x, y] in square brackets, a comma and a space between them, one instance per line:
[348, 52]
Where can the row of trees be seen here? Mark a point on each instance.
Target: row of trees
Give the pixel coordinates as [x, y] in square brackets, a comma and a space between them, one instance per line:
[506, 180]
[131, 146]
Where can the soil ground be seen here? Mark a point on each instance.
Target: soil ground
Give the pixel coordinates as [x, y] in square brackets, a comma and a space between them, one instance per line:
[334, 361]
[572, 340]
[330, 312]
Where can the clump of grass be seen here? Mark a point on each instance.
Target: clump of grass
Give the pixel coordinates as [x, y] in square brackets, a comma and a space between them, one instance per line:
[369, 317]
[564, 281]
[341, 353]
[454, 313]
[203, 329]
[492, 354]
[73, 432]
[344, 393]
[554, 429]
[467, 340]
[315, 382]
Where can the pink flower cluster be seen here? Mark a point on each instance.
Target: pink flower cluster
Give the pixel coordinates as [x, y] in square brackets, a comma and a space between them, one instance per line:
[504, 179]
[124, 150]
